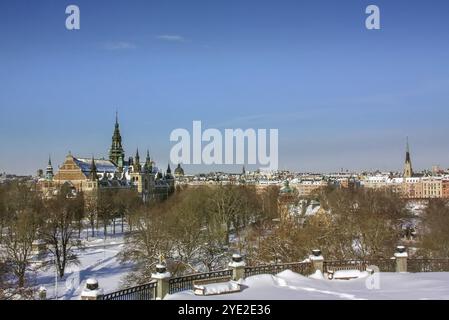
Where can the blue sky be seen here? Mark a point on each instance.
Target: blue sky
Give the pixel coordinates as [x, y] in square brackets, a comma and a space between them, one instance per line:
[341, 96]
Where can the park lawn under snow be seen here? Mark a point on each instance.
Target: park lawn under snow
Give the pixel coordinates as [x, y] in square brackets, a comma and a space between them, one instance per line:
[288, 285]
[98, 259]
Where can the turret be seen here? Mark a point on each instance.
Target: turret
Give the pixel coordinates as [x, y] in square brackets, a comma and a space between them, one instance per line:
[148, 167]
[168, 173]
[93, 176]
[170, 180]
[49, 171]
[116, 153]
[136, 166]
[179, 172]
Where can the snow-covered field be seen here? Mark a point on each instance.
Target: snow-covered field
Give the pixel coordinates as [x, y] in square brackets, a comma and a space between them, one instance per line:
[98, 259]
[292, 286]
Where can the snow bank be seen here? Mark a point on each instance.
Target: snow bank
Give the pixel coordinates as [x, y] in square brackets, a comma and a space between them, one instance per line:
[288, 285]
[347, 274]
[217, 288]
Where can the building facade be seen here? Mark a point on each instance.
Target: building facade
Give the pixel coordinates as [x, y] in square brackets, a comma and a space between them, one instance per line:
[89, 175]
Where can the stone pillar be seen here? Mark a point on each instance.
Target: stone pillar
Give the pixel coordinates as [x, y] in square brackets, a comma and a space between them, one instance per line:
[162, 276]
[401, 259]
[92, 290]
[317, 260]
[42, 293]
[238, 267]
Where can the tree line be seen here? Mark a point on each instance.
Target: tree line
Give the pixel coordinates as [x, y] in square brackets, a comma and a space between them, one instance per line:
[198, 228]
[27, 219]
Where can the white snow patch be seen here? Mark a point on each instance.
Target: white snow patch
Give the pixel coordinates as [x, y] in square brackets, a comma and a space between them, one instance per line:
[288, 285]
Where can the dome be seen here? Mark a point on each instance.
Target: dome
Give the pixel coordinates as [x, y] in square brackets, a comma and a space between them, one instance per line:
[179, 171]
[286, 188]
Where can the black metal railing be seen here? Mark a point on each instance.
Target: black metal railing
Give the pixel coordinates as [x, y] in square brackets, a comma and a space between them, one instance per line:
[384, 265]
[337, 265]
[142, 292]
[428, 265]
[304, 268]
[186, 282]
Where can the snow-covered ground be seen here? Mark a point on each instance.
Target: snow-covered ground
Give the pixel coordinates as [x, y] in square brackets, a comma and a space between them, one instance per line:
[288, 285]
[98, 259]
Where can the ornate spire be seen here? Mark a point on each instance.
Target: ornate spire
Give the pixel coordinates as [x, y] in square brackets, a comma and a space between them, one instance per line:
[116, 153]
[137, 166]
[49, 170]
[93, 171]
[407, 151]
[408, 171]
[148, 167]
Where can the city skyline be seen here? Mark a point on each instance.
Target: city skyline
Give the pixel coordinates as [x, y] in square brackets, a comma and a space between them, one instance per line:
[235, 168]
[340, 95]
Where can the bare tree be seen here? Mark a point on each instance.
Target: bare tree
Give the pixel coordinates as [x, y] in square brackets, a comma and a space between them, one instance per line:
[79, 212]
[18, 243]
[147, 245]
[126, 202]
[105, 208]
[233, 207]
[91, 213]
[22, 207]
[435, 229]
[3, 212]
[59, 229]
[185, 221]
[3, 284]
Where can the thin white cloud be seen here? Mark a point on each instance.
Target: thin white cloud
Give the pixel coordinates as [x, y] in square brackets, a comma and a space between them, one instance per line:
[119, 45]
[171, 37]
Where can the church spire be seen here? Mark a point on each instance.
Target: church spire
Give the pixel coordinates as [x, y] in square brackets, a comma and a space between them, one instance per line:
[49, 170]
[408, 171]
[148, 168]
[116, 152]
[93, 171]
[137, 166]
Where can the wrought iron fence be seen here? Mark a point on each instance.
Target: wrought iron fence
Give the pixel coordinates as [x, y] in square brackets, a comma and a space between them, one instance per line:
[186, 282]
[304, 268]
[336, 265]
[142, 292]
[384, 265]
[148, 291]
[428, 265]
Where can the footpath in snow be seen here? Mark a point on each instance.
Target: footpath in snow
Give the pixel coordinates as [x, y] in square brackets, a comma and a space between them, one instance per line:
[98, 259]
